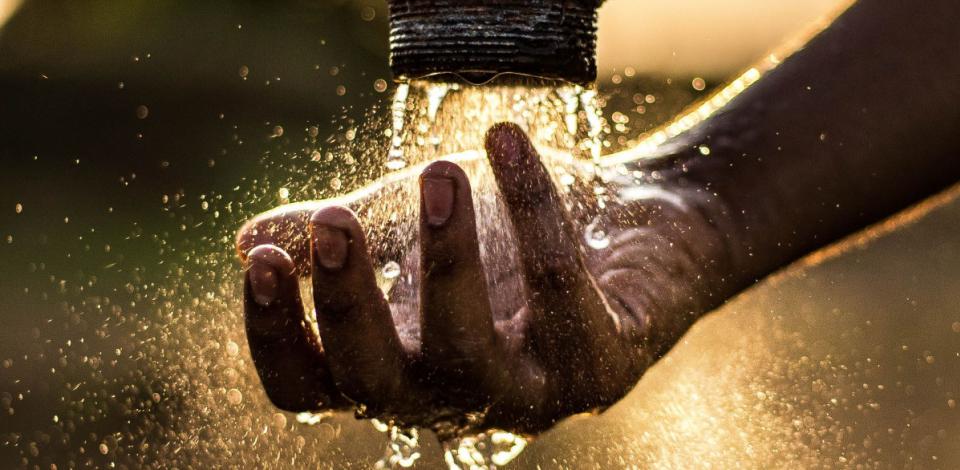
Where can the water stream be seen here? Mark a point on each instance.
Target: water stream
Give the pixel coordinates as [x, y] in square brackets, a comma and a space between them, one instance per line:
[126, 345]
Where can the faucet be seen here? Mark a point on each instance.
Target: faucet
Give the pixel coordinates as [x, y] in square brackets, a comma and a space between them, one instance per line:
[478, 40]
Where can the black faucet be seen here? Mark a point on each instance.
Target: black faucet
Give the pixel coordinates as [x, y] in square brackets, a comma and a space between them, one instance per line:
[480, 39]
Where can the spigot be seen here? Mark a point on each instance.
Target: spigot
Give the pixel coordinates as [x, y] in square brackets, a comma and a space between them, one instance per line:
[481, 39]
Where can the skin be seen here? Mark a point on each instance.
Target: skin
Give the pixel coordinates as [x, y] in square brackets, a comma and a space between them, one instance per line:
[861, 123]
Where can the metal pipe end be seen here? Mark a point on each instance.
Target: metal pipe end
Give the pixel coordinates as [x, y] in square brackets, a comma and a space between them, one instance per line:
[480, 39]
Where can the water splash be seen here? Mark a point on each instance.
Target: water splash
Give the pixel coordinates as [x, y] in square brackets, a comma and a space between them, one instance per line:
[484, 451]
[391, 270]
[595, 235]
[311, 419]
[432, 119]
[403, 448]
[164, 398]
[398, 112]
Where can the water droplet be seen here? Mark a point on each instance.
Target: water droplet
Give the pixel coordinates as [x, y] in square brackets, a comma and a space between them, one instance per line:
[595, 236]
[234, 397]
[232, 348]
[277, 131]
[380, 85]
[403, 450]
[396, 162]
[283, 194]
[142, 111]
[18, 208]
[311, 419]
[104, 449]
[391, 270]
[698, 84]
[279, 420]
[483, 451]
[368, 13]
[704, 150]
[244, 71]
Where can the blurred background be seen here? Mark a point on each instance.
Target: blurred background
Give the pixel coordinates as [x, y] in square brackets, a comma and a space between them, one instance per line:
[136, 136]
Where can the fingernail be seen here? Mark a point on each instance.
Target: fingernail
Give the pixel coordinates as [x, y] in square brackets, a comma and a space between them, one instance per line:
[263, 283]
[330, 247]
[438, 195]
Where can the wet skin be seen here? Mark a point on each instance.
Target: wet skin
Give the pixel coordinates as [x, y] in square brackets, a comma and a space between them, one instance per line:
[590, 321]
[808, 154]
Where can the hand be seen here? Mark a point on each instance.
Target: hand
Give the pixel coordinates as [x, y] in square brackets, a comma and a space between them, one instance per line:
[587, 324]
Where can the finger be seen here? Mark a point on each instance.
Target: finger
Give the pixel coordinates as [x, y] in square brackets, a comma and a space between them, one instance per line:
[285, 349]
[458, 334]
[359, 337]
[575, 318]
[284, 227]
[549, 252]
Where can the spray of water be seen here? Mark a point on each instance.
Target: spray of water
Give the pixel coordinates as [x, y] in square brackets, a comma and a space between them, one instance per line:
[149, 362]
[433, 120]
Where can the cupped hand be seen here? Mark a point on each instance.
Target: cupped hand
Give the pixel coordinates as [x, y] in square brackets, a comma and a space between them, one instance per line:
[589, 323]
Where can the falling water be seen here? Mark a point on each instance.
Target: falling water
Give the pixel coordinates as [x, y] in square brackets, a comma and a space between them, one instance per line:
[431, 120]
[143, 359]
[439, 120]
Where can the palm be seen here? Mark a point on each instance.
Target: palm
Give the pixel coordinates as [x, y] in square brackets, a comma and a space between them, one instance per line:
[551, 329]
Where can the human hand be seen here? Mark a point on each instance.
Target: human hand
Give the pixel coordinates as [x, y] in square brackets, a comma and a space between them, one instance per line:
[576, 337]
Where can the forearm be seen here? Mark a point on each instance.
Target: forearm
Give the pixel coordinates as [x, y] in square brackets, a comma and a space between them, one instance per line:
[862, 122]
